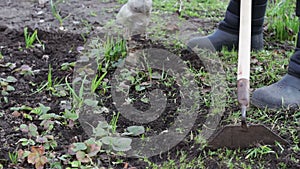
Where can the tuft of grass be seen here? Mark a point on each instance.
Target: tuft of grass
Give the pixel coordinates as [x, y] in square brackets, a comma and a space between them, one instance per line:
[282, 20]
[114, 49]
[56, 13]
[30, 38]
[97, 81]
[13, 157]
[114, 122]
[49, 78]
[259, 152]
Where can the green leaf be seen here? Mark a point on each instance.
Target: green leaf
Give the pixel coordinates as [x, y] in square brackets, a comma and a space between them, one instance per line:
[139, 88]
[69, 115]
[99, 132]
[24, 128]
[121, 144]
[27, 116]
[103, 124]
[32, 129]
[79, 146]
[10, 88]
[49, 116]
[25, 108]
[107, 140]
[81, 156]
[118, 143]
[90, 102]
[11, 79]
[44, 108]
[75, 164]
[136, 130]
[25, 141]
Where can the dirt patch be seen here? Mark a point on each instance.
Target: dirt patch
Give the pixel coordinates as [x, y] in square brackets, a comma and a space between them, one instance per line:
[59, 49]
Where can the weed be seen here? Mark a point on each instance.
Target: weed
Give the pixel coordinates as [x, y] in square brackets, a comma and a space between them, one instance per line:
[84, 151]
[30, 39]
[70, 115]
[259, 152]
[56, 13]
[37, 157]
[114, 49]
[30, 129]
[26, 142]
[67, 66]
[1, 56]
[114, 122]
[97, 81]
[278, 12]
[78, 97]
[49, 78]
[41, 110]
[13, 157]
[6, 87]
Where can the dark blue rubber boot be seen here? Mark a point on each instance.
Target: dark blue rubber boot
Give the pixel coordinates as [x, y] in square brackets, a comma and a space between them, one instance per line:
[283, 94]
[227, 34]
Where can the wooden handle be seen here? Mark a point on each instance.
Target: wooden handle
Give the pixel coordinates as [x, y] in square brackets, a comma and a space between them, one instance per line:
[244, 40]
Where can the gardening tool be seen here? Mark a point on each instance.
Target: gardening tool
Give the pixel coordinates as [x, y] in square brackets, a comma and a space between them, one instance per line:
[244, 135]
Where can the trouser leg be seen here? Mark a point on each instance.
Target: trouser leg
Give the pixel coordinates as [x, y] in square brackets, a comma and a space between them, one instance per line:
[294, 65]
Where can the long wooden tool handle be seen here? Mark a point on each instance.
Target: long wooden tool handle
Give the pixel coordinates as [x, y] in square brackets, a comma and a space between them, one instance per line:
[244, 40]
[243, 74]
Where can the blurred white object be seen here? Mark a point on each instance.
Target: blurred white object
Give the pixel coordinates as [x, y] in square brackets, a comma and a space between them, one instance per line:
[42, 2]
[135, 16]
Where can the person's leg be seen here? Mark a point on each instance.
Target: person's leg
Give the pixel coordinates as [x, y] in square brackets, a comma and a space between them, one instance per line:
[294, 65]
[228, 30]
[286, 92]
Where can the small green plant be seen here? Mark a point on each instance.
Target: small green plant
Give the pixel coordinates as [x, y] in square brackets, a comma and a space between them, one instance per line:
[47, 141]
[282, 20]
[54, 86]
[97, 81]
[13, 157]
[78, 97]
[114, 122]
[49, 82]
[30, 129]
[56, 13]
[30, 39]
[26, 142]
[84, 151]
[6, 86]
[68, 66]
[114, 49]
[259, 152]
[1, 56]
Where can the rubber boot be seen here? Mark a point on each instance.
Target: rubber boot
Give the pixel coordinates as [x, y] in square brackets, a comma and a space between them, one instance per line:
[227, 33]
[286, 92]
[283, 94]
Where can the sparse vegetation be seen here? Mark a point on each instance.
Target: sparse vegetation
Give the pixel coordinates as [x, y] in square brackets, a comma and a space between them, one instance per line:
[30, 38]
[282, 19]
